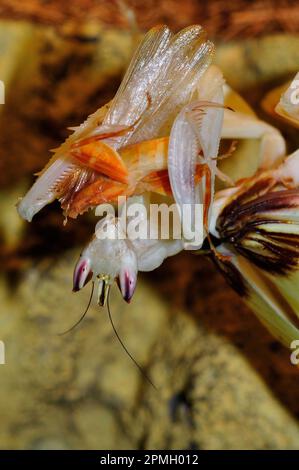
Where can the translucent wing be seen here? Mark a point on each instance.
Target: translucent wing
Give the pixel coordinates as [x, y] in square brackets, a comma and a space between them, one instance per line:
[148, 62]
[188, 57]
[161, 77]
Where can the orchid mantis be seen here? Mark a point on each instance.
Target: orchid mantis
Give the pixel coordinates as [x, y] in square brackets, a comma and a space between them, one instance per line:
[161, 134]
[122, 149]
[158, 82]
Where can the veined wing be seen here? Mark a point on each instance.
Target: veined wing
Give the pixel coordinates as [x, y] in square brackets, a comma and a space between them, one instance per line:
[150, 59]
[161, 76]
[53, 179]
[187, 58]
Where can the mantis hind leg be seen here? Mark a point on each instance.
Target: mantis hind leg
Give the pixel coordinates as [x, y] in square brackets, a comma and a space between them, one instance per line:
[204, 170]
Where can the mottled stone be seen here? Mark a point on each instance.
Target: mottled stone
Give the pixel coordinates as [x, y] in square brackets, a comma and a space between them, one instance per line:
[246, 64]
[80, 390]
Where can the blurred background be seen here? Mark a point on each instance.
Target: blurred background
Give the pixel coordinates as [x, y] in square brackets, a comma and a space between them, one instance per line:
[223, 382]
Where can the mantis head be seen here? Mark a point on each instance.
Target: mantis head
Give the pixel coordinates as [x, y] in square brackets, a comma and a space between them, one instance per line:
[107, 259]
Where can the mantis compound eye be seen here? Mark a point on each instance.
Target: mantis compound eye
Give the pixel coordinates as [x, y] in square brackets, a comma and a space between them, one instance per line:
[82, 274]
[127, 275]
[127, 282]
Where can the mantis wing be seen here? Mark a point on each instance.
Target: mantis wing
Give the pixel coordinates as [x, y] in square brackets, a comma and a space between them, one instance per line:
[162, 74]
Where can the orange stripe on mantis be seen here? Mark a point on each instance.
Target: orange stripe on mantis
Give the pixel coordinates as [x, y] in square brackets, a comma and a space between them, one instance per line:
[103, 159]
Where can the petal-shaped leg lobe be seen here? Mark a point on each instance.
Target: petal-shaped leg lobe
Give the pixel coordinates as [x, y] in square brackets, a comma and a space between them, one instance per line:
[102, 158]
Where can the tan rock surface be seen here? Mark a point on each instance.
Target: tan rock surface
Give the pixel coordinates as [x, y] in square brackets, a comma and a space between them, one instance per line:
[80, 390]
